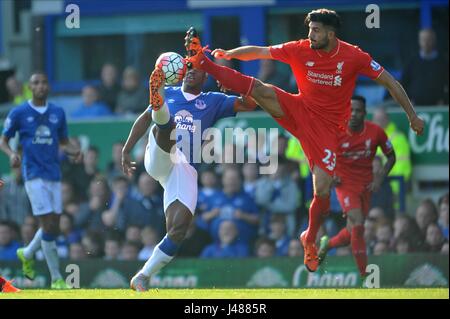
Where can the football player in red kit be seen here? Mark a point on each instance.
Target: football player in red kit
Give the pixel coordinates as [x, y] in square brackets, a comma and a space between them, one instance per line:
[355, 180]
[326, 69]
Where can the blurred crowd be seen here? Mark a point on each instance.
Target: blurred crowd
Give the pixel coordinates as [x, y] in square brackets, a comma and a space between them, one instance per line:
[424, 77]
[240, 213]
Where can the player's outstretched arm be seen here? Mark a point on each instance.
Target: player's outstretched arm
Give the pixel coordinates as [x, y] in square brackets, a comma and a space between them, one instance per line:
[245, 53]
[14, 158]
[138, 130]
[399, 95]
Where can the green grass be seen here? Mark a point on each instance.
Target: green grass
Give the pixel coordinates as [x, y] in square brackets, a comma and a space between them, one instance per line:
[394, 293]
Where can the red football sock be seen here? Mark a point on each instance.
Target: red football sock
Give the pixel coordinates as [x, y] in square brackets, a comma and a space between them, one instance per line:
[319, 207]
[359, 248]
[341, 239]
[229, 78]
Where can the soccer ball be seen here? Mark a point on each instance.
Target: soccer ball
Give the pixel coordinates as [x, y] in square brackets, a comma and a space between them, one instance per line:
[173, 66]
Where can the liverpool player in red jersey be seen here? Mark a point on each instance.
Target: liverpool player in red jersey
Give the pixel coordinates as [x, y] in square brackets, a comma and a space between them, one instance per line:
[355, 181]
[326, 69]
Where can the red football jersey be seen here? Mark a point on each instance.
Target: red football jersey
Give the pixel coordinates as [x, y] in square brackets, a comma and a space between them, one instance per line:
[356, 152]
[326, 80]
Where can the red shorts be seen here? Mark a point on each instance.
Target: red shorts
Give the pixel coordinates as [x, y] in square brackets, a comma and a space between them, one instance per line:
[317, 137]
[357, 197]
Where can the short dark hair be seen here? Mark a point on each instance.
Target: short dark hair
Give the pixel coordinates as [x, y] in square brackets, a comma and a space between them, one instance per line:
[327, 17]
[361, 99]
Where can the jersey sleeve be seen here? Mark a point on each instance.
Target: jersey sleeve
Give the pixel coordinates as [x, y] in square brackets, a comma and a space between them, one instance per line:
[384, 142]
[225, 105]
[284, 52]
[368, 66]
[62, 130]
[11, 125]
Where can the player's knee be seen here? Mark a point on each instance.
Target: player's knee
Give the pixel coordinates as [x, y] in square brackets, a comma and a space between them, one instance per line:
[355, 219]
[261, 90]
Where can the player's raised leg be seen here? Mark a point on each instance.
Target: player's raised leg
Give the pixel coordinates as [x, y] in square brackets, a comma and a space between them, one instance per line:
[263, 94]
[319, 208]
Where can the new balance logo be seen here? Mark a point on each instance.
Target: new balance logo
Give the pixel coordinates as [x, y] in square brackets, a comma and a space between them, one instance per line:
[309, 63]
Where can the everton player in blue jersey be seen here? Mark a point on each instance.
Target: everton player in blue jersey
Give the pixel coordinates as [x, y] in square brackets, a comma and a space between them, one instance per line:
[42, 130]
[189, 111]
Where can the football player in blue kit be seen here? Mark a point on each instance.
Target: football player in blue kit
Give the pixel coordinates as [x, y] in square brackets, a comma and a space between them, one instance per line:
[42, 129]
[188, 111]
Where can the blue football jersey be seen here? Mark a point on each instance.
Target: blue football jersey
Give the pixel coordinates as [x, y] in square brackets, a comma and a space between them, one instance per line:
[192, 116]
[39, 136]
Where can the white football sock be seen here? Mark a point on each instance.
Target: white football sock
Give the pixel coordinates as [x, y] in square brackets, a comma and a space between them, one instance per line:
[156, 262]
[51, 256]
[162, 116]
[33, 246]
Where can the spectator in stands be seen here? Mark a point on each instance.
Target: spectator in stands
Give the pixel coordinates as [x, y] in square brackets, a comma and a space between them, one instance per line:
[112, 246]
[268, 73]
[425, 77]
[426, 214]
[70, 202]
[278, 194]
[80, 175]
[295, 248]
[133, 97]
[77, 252]
[109, 87]
[227, 245]
[381, 248]
[402, 245]
[384, 234]
[370, 233]
[89, 216]
[129, 251]
[384, 198]
[68, 234]
[28, 229]
[18, 91]
[14, 203]
[233, 204]
[405, 227]
[150, 237]
[114, 167]
[91, 107]
[207, 191]
[400, 143]
[251, 175]
[444, 249]
[434, 239]
[143, 207]
[8, 245]
[265, 248]
[195, 241]
[133, 233]
[93, 244]
[377, 213]
[443, 215]
[278, 234]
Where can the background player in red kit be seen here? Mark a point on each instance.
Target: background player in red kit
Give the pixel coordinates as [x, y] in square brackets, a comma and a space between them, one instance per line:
[326, 69]
[355, 180]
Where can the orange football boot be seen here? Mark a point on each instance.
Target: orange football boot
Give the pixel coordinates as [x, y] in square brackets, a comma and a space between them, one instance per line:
[156, 87]
[195, 51]
[311, 259]
[8, 287]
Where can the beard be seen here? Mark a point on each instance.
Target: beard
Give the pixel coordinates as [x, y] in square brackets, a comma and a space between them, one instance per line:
[320, 45]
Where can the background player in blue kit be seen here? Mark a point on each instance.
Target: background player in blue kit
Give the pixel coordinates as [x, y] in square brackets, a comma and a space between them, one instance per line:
[185, 109]
[42, 129]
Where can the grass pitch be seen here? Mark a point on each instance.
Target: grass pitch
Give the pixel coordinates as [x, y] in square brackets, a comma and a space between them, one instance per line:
[394, 293]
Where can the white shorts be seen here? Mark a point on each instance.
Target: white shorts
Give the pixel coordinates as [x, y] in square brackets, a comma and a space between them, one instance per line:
[174, 173]
[45, 196]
